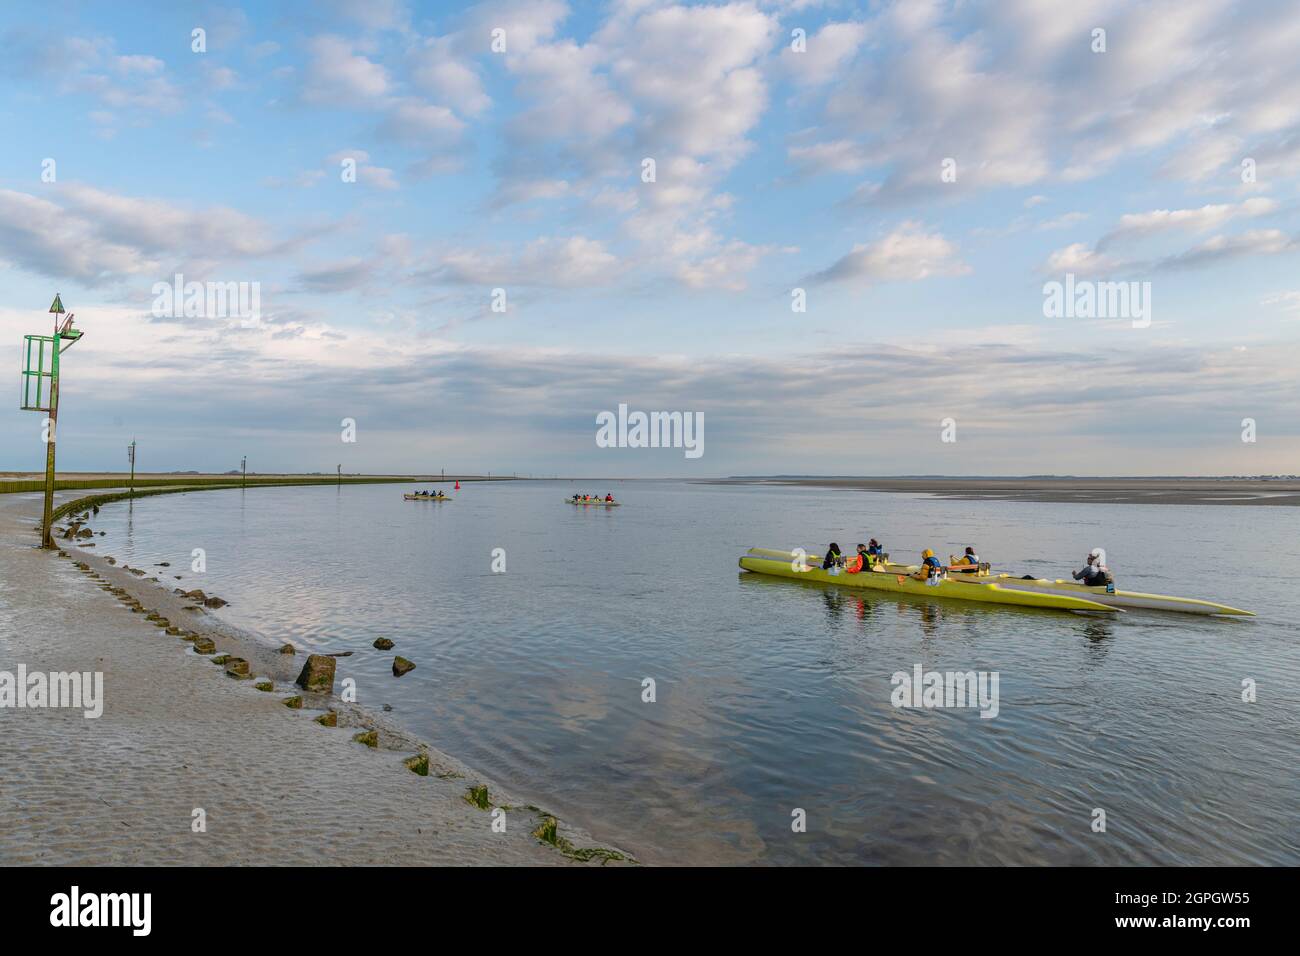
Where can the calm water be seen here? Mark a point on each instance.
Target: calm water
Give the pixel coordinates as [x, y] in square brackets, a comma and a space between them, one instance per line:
[774, 695]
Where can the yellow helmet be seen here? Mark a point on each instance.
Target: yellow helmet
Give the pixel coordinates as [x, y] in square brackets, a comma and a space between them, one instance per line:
[927, 553]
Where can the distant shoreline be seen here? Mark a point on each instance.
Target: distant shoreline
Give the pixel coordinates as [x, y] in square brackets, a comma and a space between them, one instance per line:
[1150, 491]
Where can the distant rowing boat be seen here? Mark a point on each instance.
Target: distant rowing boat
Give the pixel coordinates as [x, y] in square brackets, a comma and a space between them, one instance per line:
[427, 497]
[606, 504]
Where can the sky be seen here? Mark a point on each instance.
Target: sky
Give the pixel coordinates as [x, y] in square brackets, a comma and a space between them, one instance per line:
[827, 230]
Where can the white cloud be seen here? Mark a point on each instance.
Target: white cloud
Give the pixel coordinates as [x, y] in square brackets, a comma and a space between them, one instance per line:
[547, 262]
[1286, 301]
[417, 123]
[1202, 219]
[339, 76]
[907, 253]
[98, 237]
[828, 50]
[837, 156]
[441, 70]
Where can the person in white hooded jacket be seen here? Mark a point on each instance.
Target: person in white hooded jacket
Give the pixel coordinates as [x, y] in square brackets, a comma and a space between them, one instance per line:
[1095, 573]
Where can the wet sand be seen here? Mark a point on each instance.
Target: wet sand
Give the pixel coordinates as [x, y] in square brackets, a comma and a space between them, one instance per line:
[1148, 491]
[177, 734]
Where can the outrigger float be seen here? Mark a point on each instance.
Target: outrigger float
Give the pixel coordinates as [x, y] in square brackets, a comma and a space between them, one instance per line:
[983, 586]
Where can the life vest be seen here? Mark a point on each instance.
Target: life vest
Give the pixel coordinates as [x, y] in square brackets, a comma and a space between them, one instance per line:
[932, 566]
[854, 564]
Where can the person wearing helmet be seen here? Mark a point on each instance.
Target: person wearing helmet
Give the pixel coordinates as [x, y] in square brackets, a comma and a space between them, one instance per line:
[968, 563]
[1094, 573]
[930, 566]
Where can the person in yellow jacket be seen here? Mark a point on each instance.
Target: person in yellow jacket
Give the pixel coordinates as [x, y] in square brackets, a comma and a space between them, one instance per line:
[930, 566]
[968, 563]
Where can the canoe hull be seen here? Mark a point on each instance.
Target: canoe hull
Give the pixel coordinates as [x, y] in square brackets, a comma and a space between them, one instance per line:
[595, 504]
[989, 593]
[1124, 599]
[426, 498]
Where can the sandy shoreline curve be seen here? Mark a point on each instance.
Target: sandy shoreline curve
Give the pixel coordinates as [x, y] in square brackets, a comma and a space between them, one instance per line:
[178, 736]
[1147, 491]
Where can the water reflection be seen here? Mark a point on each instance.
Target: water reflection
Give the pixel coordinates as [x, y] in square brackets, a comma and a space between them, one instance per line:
[774, 693]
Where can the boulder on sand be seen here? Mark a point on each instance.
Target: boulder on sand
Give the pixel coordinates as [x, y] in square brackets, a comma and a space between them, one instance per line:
[317, 674]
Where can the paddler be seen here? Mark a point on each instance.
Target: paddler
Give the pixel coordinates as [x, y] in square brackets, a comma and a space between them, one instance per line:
[930, 566]
[608, 496]
[833, 557]
[1094, 573]
[859, 562]
[968, 563]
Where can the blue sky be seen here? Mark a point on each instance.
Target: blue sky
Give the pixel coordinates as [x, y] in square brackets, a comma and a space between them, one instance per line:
[819, 169]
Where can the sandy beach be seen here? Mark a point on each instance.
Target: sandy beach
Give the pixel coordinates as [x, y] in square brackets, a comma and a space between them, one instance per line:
[1146, 491]
[178, 735]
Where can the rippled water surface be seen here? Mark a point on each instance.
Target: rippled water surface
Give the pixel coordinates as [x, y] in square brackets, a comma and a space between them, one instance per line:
[774, 695]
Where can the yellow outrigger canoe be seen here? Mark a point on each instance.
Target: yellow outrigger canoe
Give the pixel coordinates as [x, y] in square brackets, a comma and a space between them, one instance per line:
[1119, 599]
[885, 580]
[427, 497]
[602, 504]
